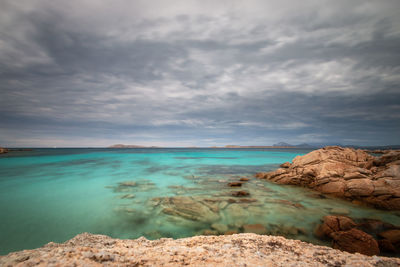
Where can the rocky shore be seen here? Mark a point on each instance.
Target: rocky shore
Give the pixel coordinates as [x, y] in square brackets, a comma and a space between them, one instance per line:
[3, 150]
[351, 174]
[233, 250]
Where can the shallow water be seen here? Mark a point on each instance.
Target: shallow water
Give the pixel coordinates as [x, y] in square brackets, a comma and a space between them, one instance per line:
[53, 194]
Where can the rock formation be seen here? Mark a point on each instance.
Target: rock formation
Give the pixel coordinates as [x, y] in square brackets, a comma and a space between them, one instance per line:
[347, 235]
[346, 173]
[230, 250]
[3, 150]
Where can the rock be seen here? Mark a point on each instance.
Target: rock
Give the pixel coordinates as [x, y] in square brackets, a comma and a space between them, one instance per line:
[354, 241]
[347, 173]
[285, 165]
[221, 228]
[225, 250]
[255, 228]
[360, 187]
[336, 188]
[128, 183]
[3, 150]
[235, 184]
[289, 203]
[128, 196]
[386, 246]
[188, 208]
[240, 193]
[374, 227]
[392, 235]
[332, 224]
[243, 179]
[237, 215]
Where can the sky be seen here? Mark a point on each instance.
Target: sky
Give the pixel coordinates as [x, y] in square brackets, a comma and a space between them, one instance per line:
[199, 73]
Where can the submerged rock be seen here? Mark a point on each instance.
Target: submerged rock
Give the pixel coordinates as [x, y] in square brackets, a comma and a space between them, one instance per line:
[255, 228]
[128, 196]
[188, 208]
[221, 228]
[240, 193]
[347, 173]
[128, 183]
[235, 184]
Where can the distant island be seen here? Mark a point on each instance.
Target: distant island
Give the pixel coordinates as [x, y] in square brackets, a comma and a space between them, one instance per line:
[131, 146]
[278, 145]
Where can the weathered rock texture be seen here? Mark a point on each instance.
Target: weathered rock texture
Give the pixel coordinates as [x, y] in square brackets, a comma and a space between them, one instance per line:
[369, 237]
[347, 173]
[234, 250]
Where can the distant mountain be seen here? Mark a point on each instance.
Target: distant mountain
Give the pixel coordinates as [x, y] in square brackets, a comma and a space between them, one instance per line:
[283, 144]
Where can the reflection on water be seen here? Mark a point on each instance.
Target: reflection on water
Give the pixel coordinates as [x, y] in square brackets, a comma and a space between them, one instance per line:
[53, 194]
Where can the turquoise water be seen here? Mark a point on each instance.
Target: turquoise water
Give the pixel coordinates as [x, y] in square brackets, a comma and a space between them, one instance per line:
[53, 194]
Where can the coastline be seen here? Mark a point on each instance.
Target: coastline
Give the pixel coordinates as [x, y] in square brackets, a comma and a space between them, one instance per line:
[176, 207]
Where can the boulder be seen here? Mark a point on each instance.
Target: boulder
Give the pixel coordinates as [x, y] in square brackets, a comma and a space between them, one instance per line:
[244, 179]
[332, 224]
[348, 173]
[360, 187]
[354, 241]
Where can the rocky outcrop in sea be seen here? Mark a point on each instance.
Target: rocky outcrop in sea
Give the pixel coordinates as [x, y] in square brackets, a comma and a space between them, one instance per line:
[348, 173]
[233, 250]
[3, 150]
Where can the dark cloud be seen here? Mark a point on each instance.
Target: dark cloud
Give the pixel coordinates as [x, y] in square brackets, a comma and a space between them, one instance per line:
[93, 73]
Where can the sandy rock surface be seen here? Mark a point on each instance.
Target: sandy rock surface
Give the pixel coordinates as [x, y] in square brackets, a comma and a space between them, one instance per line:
[234, 250]
[346, 173]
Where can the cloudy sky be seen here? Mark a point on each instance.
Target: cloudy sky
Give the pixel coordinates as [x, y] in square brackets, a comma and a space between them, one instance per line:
[180, 73]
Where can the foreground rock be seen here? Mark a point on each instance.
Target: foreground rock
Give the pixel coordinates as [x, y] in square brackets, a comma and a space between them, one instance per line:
[346, 173]
[231, 250]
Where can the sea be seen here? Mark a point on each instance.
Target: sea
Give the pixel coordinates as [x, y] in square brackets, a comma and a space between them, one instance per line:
[51, 195]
